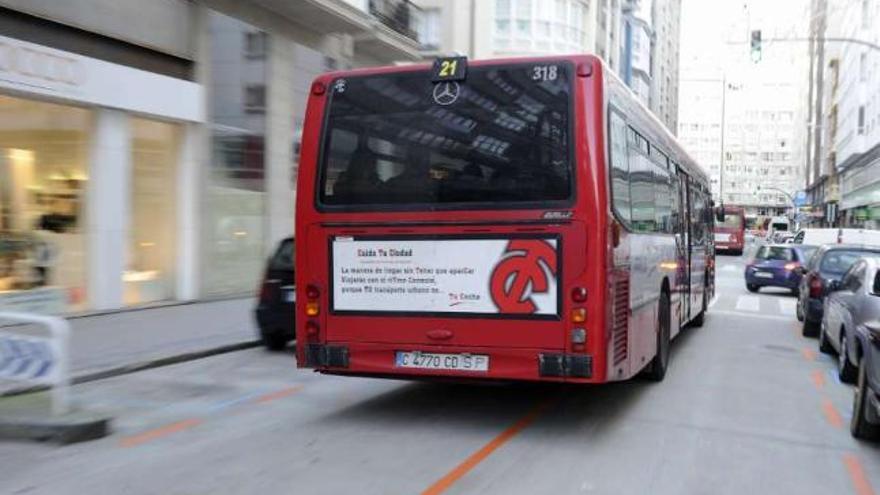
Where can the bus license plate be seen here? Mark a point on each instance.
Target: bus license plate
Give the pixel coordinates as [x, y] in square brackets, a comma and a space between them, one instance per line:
[436, 361]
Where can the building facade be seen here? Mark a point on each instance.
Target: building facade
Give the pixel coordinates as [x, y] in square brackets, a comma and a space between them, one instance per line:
[621, 32]
[742, 113]
[854, 115]
[148, 151]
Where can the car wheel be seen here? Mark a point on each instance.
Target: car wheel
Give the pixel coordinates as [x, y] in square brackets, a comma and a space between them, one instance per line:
[859, 425]
[824, 344]
[810, 328]
[845, 370]
[656, 370]
[752, 287]
[799, 311]
[274, 341]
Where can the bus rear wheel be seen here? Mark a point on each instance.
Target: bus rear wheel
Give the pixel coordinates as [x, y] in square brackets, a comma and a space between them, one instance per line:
[656, 370]
[700, 319]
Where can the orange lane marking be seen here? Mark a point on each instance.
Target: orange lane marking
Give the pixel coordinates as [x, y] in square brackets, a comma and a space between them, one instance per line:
[857, 475]
[479, 456]
[818, 379]
[809, 354]
[286, 392]
[162, 431]
[831, 413]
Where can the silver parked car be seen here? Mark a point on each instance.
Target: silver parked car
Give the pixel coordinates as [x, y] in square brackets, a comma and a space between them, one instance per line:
[853, 302]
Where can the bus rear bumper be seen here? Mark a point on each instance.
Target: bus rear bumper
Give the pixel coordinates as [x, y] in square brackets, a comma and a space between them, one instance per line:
[379, 360]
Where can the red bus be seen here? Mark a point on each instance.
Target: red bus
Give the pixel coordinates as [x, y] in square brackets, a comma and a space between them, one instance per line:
[730, 234]
[515, 219]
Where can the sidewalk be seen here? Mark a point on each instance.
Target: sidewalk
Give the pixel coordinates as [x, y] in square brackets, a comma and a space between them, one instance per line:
[108, 342]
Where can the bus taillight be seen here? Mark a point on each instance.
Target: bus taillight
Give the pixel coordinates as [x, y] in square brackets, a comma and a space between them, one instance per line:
[579, 294]
[578, 315]
[313, 307]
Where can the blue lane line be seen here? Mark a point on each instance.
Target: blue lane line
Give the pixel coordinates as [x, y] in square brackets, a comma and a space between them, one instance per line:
[222, 406]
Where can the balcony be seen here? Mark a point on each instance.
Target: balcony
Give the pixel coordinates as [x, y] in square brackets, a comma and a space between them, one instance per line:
[399, 15]
[393, 37]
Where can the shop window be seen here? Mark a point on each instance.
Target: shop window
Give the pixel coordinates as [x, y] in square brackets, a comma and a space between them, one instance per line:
[43, 177]
[150, 266]
[233, 243]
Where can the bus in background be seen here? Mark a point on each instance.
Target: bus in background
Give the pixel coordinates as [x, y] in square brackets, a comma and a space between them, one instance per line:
[730, 235]
[522, 219]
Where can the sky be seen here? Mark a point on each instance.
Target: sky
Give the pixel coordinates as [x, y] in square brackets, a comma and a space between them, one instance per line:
[715, 33]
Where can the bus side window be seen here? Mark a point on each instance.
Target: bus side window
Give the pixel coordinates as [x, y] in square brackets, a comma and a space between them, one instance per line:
[620, 169]
[641, 184]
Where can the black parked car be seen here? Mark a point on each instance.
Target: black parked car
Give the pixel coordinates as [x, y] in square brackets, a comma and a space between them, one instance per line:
[275, 308]
[827, 265]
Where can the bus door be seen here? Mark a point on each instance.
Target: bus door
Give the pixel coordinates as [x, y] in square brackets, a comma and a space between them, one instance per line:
[682, 244]
[696, 249]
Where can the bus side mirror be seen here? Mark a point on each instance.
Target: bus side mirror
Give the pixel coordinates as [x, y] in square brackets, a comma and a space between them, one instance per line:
[719, 214]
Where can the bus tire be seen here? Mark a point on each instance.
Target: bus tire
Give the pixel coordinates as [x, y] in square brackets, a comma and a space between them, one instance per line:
[859, 425]
[700, 319]
[656, 370]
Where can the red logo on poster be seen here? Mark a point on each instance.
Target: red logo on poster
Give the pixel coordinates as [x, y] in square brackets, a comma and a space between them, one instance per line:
[520, 273]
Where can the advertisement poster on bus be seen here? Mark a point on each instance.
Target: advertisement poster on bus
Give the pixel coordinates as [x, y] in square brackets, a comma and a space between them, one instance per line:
[468, 276]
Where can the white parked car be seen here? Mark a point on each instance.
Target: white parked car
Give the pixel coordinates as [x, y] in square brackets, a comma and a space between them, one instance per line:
[818, 237]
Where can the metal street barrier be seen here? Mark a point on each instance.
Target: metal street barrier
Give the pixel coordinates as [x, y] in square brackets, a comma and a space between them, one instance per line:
[38, 360]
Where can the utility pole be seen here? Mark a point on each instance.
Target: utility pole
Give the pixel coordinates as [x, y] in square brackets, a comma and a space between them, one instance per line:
[810, 97]
[821, 23]
[721, 157]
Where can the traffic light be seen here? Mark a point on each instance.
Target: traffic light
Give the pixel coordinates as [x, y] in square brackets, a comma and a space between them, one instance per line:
[756, 46]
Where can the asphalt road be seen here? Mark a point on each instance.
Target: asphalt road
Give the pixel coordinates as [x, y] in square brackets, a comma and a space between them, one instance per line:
[748, 406]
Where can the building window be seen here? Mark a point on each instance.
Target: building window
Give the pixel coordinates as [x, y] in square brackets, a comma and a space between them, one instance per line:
[255, 44]
[429, 29]
[863, 67]
[861, 125]
[255, 98]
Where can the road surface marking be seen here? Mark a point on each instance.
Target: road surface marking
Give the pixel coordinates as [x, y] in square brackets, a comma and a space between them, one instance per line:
[818, 379]
[857, 475]
[479, 456]
[809, 354]
[751, 315]
[787, 306]
[831, 413]
[286, 392]
[171, 428]
[157, 433]
[748, 303]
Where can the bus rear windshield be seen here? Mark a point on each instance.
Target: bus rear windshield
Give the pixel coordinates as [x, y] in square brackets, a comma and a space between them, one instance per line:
[731, 221]
[401, 141]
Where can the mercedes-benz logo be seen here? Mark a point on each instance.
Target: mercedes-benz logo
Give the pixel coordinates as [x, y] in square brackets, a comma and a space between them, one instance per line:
[446, 93]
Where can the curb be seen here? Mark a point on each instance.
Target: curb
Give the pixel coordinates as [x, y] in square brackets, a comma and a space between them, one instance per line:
[64, 430]
[141, 366]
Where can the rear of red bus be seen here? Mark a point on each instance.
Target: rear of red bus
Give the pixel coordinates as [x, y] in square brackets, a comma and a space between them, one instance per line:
[730, 235]
[454, 228]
